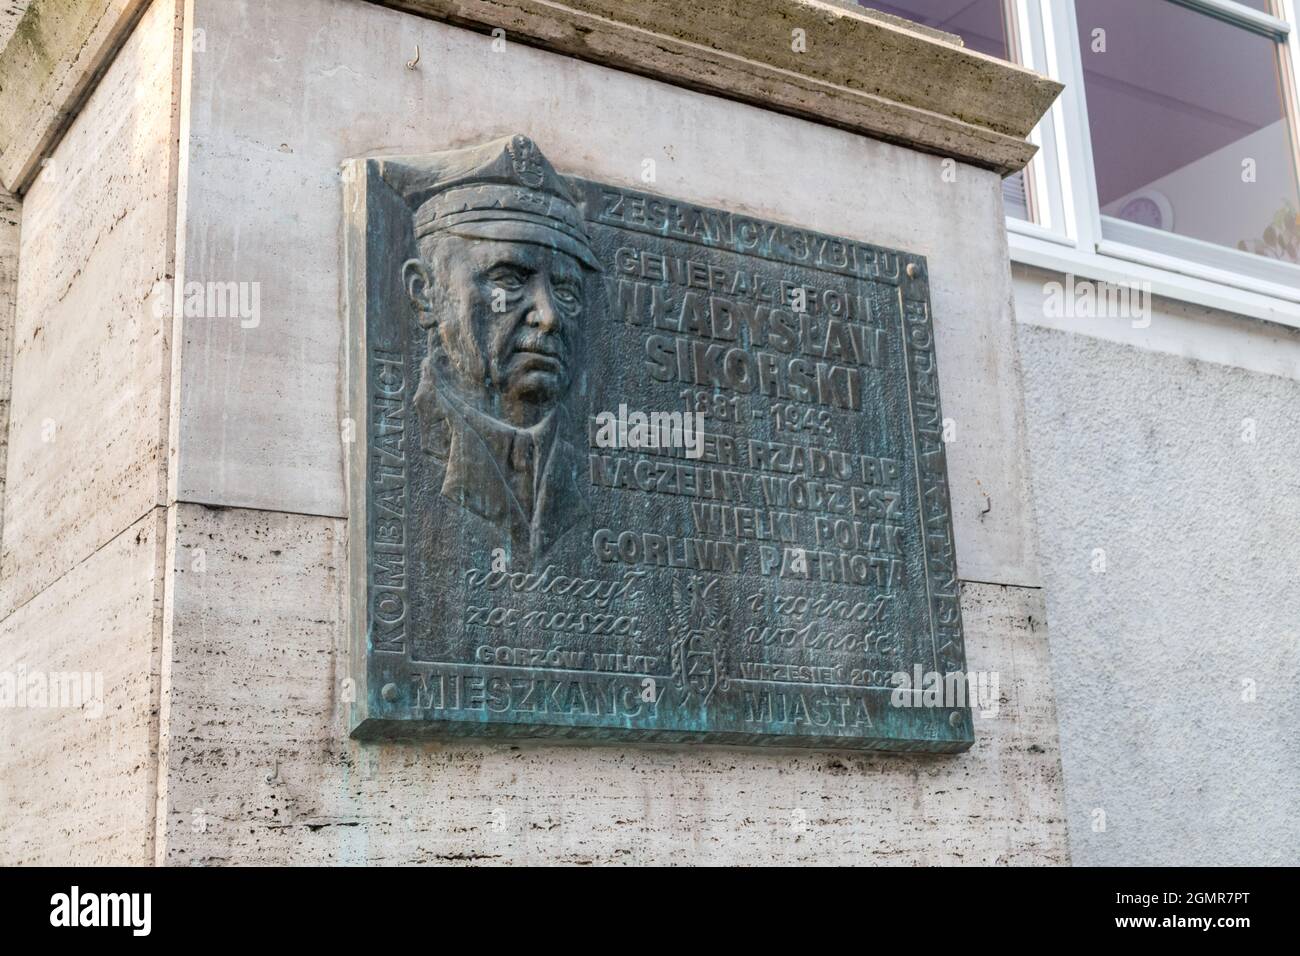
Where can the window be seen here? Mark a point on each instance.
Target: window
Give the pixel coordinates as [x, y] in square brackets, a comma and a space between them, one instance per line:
[1173, 156]
[1188, 114]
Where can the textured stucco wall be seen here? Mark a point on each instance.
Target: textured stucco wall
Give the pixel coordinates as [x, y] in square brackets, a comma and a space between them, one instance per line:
[256, 766]
[1137, 447]
[83, 532]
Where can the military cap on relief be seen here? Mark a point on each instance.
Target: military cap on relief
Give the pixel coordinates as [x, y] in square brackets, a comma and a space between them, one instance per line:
[504, 190]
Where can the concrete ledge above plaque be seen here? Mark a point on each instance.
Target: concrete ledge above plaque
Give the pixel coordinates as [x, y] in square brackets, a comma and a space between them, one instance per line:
[629, 468]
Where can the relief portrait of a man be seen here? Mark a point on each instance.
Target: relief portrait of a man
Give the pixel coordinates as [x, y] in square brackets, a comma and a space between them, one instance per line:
[499, 284]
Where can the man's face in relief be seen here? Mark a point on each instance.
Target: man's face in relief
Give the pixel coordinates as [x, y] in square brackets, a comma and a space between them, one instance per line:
[506, 313]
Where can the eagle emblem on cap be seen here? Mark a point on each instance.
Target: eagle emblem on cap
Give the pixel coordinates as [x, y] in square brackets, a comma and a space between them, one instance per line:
[526, 161]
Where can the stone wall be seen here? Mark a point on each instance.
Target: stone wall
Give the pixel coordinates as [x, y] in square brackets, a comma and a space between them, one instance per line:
[84, 518]
[260, 769]
[10, 216]
[183, 533]
[257, 765]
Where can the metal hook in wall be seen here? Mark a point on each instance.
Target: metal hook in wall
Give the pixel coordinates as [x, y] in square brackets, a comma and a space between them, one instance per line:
[411, 64]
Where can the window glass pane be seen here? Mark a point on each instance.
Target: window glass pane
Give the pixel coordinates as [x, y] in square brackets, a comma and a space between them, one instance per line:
[982, 26]
[1188, 127]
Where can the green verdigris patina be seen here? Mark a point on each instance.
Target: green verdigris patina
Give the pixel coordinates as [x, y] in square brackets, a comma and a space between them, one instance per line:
[625, 467]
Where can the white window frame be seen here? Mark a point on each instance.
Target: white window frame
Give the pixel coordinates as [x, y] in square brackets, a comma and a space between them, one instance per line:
[1073, 237]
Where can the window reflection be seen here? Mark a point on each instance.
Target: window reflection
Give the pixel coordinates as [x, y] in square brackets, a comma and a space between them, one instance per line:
[1188, 125]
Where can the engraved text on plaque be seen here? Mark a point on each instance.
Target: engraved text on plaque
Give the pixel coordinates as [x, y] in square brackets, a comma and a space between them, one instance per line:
[622, 466]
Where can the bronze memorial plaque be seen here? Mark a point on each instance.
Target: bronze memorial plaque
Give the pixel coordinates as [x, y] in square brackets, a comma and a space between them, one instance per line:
[627, 468]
